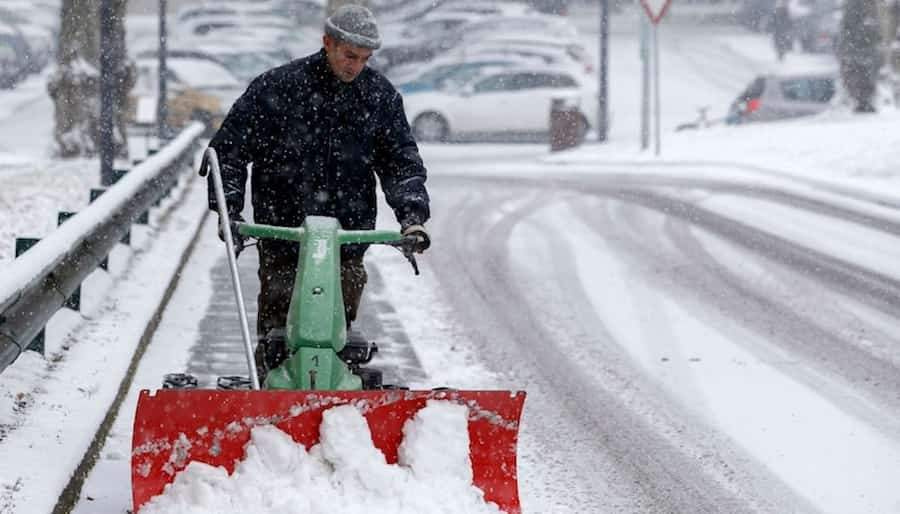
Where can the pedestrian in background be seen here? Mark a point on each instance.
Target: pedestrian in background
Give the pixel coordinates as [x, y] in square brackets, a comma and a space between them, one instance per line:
[782, 29]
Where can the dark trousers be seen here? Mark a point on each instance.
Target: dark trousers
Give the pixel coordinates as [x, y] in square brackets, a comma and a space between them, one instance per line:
[277, 271]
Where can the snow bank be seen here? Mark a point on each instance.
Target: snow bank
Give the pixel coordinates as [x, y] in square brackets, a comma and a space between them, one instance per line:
[343, 473]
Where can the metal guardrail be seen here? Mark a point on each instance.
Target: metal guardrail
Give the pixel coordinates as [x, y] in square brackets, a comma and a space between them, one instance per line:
[37, 284]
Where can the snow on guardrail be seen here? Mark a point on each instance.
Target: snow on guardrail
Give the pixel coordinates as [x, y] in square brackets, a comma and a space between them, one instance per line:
[50, 251]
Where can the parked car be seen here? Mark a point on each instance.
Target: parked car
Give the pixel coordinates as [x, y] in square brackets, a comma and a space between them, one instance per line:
[198, 89]
[10, 68]
[244, 62]
[486, 8]
[39, 40]
[36, 12]
[206, 24]
[560, 7]
[820, 30]
[777, 97]
[307, 12]
[13, 57]
[457, 39]
[428, 26]
[756, 14]
[536, 53]
[455, 73]
[507, 102]
[192, 12]
[556, 50]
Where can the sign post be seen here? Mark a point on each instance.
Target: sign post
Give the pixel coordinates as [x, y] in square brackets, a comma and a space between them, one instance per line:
[603, 90]
[655, 10]
[645, 83]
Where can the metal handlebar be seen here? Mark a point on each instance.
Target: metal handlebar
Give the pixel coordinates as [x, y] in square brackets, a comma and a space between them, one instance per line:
[406, 247]
[211, 162]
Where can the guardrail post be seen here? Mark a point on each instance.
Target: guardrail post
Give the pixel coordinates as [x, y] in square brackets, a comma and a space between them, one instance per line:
[118, 173]
[41, 278]
[22, 246]
[74, 301]
[24, 243]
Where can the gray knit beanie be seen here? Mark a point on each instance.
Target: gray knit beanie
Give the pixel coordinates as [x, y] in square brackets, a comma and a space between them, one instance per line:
[354, 24]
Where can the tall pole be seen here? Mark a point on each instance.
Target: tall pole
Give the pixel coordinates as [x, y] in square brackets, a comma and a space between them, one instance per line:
[645, 83]
[107, 94]
[162, 110]
[656, 83]
[603, 89]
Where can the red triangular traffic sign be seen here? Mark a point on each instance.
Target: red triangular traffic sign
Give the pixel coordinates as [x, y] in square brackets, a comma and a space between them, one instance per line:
[655, 9]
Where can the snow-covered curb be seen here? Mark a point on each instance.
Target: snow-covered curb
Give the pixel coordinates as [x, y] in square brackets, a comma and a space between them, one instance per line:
[60, 402]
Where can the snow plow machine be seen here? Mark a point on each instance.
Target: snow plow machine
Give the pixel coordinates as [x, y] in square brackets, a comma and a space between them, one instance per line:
[180, 423]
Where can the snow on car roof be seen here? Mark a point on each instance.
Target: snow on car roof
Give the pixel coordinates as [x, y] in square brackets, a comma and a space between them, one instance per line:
[482, 7]
[802, 67]
[528, 38]
[198, 73]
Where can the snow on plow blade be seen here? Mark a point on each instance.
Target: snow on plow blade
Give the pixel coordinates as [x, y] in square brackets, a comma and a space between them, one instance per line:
[175, 427]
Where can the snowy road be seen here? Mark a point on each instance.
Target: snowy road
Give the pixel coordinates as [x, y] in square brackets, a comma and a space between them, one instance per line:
[659, 341]
[688, 345]
[691, 340]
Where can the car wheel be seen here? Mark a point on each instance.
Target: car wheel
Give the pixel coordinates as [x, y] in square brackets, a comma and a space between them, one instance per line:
[430, 127]
[584, 127]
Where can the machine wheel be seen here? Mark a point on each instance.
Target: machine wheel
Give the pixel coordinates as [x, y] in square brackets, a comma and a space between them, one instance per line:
[430, 127]
[179, 381]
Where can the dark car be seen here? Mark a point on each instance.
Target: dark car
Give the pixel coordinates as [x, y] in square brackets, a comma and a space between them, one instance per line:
[778, 97]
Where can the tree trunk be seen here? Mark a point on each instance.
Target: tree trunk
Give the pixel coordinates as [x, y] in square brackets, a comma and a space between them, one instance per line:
[860, 52]
[75, 86]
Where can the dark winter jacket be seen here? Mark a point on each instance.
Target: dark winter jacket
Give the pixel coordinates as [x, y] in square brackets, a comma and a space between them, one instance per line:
[316, 144]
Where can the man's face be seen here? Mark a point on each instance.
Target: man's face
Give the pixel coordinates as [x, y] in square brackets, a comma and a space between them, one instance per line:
[346, 61]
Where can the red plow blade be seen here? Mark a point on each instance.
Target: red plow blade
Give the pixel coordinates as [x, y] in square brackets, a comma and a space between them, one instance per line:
[175, 427]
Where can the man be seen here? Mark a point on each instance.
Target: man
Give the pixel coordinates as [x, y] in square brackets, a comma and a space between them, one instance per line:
[782, 29]
[317, 131]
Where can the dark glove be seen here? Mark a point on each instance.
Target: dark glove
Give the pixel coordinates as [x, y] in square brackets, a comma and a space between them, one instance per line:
[236, 236]
[420, 236]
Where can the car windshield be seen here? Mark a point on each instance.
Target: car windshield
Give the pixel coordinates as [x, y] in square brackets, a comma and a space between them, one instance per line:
[194, 73]
[755, 89]
[457, 72]
[7, 52]
[819, 90]
[432, 27]
[246, 65]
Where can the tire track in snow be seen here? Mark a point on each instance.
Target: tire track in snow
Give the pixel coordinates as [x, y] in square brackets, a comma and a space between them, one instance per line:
[647, 471]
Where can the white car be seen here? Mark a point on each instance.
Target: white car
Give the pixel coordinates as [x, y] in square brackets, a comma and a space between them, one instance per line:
[571, 47]
[535, 24]
[427, 26]
[483, 7]
[509, 101]
[416, 71]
